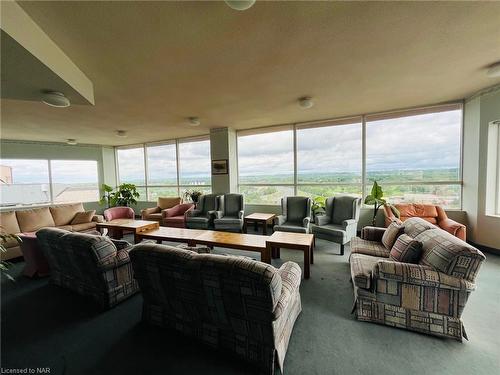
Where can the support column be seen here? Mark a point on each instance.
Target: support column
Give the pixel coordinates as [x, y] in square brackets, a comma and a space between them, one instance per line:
[223, 147]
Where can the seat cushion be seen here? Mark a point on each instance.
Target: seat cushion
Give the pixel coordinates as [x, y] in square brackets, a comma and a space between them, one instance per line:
[406, 250]
[34, 219]
[361, 269]
[69, 228]
[197, 219]
[83, 227]
[228, 220]
[63, 214]
[8, 221]
[393, 231]
[373, 248]
[330, 231]
[290, 227]
[156, 216]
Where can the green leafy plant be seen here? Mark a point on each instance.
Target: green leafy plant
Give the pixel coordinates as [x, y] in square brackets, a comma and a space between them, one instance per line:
[375, 199]
[4, 238]
[124, 195]
[193, 195]
[318, 205]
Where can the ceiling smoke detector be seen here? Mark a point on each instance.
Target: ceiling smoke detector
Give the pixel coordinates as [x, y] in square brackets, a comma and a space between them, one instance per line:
[306, 102]
[240, 4]
[55, 99]
[121, 133]
[71, 141]
[194, 121]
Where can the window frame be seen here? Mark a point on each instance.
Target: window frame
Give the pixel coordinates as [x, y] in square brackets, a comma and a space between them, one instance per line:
[363, 119]
[178, 186]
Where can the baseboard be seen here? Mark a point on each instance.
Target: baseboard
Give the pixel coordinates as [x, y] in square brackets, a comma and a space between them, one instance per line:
[485, 249]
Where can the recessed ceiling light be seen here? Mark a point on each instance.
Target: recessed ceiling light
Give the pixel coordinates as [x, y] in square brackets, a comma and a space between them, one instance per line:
[306, 102]
[239, 4]
[71, 141]
[55, 99]
[194, 121]
[494, 70]
[121, 133]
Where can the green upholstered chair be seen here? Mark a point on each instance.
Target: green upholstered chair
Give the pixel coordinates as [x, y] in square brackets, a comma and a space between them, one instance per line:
[230, 214]
[296, 215]
[202, 216]
[340, 222]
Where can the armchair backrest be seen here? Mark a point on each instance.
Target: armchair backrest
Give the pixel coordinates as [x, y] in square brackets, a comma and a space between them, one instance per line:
[427, 212]
[208, 202]
[119, 213]
[241, 288]
[296, 208]
[231, 204]
[343, 207]
[77, 256]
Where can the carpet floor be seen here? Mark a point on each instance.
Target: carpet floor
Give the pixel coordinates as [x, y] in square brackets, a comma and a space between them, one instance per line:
[44, 326]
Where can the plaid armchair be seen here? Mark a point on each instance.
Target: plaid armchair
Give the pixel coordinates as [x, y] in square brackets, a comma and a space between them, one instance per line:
[296, 215]
[230, 213]
[340, 222]
[428, 297]
[232, 303]
[90, 265]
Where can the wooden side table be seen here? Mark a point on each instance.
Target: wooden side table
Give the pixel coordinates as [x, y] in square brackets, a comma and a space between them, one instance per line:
[294, 241]
[256, 219]
[36, 263]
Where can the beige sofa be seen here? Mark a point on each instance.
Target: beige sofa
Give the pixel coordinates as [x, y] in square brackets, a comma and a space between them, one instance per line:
[31, 220]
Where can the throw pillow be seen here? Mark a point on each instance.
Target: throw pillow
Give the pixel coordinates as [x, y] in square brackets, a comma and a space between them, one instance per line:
[83, 217]
[395, 211]
[393, 231]
[406, 250]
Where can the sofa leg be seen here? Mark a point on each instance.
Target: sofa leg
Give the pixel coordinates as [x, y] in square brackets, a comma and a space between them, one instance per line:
[342, 249]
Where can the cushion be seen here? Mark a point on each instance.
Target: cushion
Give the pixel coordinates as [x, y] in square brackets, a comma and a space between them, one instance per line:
[290, 227]
[8, 221]
[83, 217]
[83, 226]
[395, 211]
[416, 225]
[232, 204]
[209, 202]
[342, 209]
[406, 250]
[361, 269]
[63, 214]
[34, 219]
[296, 209]
[373, 248]
[392, 232]
[168, 202]
[155, 216]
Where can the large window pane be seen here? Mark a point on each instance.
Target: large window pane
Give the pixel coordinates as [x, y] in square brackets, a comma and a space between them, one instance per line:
[162, 165]
[265, 194]
[194, 163]
[75, 180]
[161, 191]
[329, 154]
[131, 165]
[203, 189]
[266, 158]
[414, 148]
[328, 190]
[24, 181]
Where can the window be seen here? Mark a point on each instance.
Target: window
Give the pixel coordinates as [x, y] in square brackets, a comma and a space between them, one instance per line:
[24, 182]
[266, 165]
[415, 157]
[74, 180]
[167, 168]
[43, 181]
[329, 158]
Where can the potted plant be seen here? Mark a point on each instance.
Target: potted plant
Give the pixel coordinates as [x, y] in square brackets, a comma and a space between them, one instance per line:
[124, 195]
[375, 199]
[318, 206]
[4, 238]
[193, 195]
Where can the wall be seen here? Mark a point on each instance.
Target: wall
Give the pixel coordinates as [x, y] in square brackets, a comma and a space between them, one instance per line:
[480, 110]
[105, 157]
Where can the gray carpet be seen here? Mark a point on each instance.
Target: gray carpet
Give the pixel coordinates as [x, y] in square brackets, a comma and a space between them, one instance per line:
[45, 326]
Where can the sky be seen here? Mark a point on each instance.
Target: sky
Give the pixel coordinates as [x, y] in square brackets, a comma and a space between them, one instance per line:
[426, 141]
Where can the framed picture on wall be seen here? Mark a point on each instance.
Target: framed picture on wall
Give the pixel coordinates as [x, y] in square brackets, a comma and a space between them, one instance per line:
[220, 166]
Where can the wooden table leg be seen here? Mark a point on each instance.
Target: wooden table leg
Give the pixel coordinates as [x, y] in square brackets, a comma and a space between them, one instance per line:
[266, 254]
[244, 226]
[313, 246]
[307, 262]
[264, 227]
[137, 237]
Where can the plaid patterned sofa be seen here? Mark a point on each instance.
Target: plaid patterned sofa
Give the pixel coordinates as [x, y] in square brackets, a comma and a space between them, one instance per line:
[232, 303]
[90, 265]
[427, 297]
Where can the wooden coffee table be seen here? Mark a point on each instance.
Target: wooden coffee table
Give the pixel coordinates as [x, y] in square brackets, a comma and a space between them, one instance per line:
[249, 242]
[136, 226]
[294, 241]
[171, 234]
[258, 218]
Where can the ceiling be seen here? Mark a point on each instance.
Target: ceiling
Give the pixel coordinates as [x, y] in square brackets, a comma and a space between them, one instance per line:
[153, 64]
